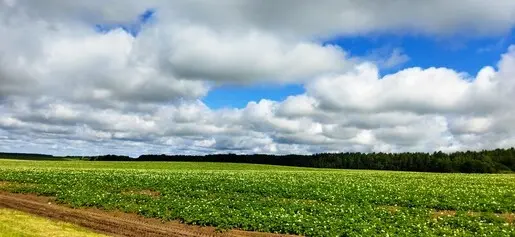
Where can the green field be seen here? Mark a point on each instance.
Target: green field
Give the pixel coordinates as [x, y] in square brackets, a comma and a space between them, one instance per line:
[313, 202]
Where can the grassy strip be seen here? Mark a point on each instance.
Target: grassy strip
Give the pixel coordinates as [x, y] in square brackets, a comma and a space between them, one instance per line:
[14, 223]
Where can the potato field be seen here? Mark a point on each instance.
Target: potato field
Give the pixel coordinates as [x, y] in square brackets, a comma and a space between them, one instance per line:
[311, 202]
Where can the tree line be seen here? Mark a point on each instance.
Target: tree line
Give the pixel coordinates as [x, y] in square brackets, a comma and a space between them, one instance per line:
[28, 156]
[485, 161]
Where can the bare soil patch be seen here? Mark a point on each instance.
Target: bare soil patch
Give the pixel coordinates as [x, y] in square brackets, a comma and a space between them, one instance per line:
[508, 217]
[111, 223]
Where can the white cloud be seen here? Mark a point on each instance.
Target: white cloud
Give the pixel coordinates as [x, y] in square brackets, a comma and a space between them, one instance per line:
[431, 90]
[165, 62]
[200, 53]
[300, 17]
[79, 64]
[65, 88]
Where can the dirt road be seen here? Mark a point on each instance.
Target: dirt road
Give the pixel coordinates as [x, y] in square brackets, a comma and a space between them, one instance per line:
[111, 223]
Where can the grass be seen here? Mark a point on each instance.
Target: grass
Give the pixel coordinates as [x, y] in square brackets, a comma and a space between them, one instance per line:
[312, 202]
[18, 224]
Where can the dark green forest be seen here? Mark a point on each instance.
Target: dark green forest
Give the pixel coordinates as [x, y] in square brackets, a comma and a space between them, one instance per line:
[29, 156]
[486, 161]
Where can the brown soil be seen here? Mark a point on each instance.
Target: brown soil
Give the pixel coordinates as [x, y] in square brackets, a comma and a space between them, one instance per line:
[111, 223]
[509, 217]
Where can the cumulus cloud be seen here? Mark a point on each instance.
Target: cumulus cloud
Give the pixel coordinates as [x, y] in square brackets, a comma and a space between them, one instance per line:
[166, 61]
[200, 53]
[80, 64]
[66, 88]
[430, 90]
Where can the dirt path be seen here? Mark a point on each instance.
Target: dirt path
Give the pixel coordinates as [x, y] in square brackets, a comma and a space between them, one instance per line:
[111, 223]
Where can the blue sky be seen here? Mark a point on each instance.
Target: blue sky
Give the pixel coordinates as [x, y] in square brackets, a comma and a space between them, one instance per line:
[462, 54]
[238, 96]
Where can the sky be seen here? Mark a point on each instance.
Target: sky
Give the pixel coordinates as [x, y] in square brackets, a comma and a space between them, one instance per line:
[277, 77]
